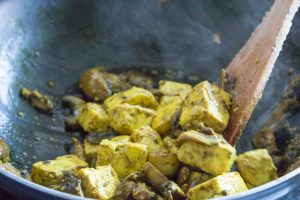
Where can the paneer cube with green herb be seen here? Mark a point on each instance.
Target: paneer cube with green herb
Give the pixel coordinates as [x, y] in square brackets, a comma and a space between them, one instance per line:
[100, 183]
[50, 172]
[125, 117]
[167, 114]
[133, 96]
[149, 137]
[206, 104]
[124, 157]
[222, 185]
[171, 88]
[209, 153]
[93, 118]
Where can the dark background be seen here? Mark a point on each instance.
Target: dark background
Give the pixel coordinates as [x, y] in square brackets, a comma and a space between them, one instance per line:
[4, 195]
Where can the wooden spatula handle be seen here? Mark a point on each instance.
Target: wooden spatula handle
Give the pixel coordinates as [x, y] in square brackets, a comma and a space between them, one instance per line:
[253, 65]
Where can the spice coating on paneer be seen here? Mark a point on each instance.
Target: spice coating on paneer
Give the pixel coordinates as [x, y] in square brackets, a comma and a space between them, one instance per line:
[149, 137]
[136, 138]
[167, 114]
[223, 185]
[121, 138]
[125, 118]
[171, 145]
[171, 88]
[69, 183]
[125, 157]
[93, 118]
[206, 104]
[209, 153]
[51, 171]
[100, 183]
[133, 96]
[91, 150]
[256, 167]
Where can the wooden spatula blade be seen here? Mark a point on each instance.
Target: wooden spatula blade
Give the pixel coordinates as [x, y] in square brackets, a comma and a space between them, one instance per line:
[253, 65]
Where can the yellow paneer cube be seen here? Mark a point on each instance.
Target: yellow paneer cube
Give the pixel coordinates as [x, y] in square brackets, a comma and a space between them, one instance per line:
[167, 114]
[256, 167]
[90, 150]
[223, 185]
[125, 157]
[133, 96]
[100, 183]
[171, 145]
[50, 172]
[165, 162]
[121, 138]
[125, 117]
[206, 104]
[149, 137]
[171, 88]
[93, 118]
[209, 153]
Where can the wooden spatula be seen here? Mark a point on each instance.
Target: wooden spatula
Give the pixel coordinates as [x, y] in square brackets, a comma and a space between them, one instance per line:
[253, 65]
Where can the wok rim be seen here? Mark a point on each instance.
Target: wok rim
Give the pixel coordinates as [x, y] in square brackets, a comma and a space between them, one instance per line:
[249, 193]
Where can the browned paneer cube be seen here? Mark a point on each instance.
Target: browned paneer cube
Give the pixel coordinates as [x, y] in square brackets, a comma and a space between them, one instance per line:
[93, 118]
[100, 183]
[256, 167]
[125, 117]
[50, 172]
[209, 153]
[167, 114]
[206, 104]
[171, 88]
[222, 185]
[149, 137]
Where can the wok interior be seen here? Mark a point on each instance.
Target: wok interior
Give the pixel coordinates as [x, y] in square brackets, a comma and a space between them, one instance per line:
[58, 40]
